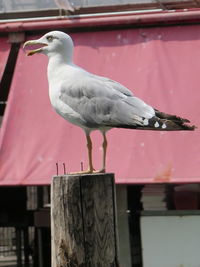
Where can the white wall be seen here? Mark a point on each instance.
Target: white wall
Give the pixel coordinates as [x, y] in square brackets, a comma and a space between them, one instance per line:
[171, 241]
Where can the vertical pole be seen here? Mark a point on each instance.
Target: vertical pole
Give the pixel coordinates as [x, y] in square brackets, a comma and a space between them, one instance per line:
[19, 246]
[39, 197]
[83, 221]
[40, 247]
[26, 247]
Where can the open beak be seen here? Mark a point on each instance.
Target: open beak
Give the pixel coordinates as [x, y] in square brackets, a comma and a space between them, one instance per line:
[33, 43]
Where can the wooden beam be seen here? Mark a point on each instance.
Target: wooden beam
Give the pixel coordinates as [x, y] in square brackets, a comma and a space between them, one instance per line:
[83, 221]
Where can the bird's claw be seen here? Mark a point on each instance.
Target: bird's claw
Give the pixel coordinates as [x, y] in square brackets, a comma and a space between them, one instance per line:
[89, 171]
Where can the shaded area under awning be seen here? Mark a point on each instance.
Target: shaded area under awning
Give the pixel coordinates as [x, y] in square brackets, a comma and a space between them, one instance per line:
[161, 65]
[4, 53]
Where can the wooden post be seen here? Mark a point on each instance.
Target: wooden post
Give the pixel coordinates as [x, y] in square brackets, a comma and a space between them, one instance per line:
[83, 221]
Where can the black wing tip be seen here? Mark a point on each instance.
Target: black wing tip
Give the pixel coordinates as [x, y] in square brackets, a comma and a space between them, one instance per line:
[172, 125]
[184, 120]
[175, 118]
[179, 122]
[192, 128]
[157, 124]
[183, 125]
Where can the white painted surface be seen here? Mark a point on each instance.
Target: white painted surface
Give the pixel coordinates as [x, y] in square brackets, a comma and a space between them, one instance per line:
[171, 241]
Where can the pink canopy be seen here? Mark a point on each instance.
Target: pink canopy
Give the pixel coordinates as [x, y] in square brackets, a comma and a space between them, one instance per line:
[161, 66]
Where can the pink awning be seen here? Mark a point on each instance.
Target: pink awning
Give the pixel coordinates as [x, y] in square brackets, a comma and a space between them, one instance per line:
[4, 52]
[161, 65]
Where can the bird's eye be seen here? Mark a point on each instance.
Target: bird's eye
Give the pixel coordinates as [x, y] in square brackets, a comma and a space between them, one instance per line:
[50, 38]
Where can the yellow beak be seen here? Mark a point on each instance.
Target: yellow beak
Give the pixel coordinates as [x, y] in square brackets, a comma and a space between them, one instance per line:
[34, 51]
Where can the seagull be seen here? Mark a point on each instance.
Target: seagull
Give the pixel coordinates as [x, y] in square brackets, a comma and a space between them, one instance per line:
[94, 102]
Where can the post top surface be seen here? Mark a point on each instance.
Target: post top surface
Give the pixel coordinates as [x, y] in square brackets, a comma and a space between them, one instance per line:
[75, 175]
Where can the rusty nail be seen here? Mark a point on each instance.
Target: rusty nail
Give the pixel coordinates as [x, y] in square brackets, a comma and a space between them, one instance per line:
[81, 166]
[64, 168]
[57, 168]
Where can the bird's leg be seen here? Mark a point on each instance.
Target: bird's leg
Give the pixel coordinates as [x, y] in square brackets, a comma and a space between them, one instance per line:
[89, 147]
[104, 146]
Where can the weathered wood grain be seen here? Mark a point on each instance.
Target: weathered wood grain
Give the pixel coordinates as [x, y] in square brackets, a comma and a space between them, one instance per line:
[66, 223]
[83, 221]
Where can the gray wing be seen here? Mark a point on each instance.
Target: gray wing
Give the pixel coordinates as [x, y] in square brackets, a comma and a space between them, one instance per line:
[117, 86]
[103, 102]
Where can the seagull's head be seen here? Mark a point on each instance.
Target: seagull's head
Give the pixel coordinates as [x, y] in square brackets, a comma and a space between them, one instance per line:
[54, 42]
